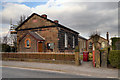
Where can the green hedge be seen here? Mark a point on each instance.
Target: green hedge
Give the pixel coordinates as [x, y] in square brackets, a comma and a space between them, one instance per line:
[114, 58]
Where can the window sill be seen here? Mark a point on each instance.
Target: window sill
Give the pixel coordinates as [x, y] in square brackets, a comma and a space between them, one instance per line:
[27, 47]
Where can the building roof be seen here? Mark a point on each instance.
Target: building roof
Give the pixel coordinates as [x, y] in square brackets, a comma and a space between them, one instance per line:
[37, 36]
[34, 35]
[100, 37]
[56, 24]
[82, 37]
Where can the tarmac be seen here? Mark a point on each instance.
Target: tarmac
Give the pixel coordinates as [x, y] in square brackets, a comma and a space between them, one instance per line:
[85, 69]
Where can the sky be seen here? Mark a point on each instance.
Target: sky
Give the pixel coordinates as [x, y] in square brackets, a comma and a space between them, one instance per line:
[83, 17]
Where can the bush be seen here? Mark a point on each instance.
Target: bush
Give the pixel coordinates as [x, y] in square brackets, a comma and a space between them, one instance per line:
[5, 48]
[90, 56]
[77, 49]
[114, 58]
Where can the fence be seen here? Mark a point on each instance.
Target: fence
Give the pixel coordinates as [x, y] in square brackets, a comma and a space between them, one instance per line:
[40, 56]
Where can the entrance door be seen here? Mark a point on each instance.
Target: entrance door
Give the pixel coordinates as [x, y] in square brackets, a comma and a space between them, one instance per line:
[40, 47]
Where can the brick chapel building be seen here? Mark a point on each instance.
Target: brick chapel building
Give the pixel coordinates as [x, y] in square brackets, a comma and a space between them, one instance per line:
[40, 34]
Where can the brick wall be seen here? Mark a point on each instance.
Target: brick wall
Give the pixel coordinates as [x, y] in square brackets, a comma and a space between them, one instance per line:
[61, 42]
[42, 56]
[51, 35]
[33, 43]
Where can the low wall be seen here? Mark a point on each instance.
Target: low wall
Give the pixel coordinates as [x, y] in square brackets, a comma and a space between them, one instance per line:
[70, 57]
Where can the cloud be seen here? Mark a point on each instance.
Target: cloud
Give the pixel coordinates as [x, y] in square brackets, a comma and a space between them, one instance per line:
[84, 17]
[60, 1]
[14, 11]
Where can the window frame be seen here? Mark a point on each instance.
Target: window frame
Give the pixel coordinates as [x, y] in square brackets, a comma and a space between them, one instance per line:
[73, 41]
[66, 40]
[26, 43]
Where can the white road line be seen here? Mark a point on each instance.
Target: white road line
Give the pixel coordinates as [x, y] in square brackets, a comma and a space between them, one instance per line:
[33, 69]
[84, 75]
[111, 77]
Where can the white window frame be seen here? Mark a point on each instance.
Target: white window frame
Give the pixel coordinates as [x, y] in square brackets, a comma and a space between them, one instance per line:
[73, 42]
[66, 40]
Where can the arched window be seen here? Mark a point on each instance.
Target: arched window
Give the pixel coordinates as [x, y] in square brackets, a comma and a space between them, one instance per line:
[27, 43]
[103, 44]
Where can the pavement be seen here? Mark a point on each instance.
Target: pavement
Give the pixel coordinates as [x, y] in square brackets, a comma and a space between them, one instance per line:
[86, 69]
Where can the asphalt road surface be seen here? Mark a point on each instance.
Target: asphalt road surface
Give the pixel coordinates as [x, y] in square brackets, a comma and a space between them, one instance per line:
[15, 73]
[9, 72]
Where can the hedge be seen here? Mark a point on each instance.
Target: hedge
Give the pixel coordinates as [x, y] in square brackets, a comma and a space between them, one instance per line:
[114, 58]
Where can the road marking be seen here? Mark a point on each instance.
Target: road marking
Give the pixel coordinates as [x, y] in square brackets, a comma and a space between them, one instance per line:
[33, 69]
[111, 77]
[84, 75]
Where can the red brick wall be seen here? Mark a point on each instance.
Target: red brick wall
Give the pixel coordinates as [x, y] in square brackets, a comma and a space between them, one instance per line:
[45, 56]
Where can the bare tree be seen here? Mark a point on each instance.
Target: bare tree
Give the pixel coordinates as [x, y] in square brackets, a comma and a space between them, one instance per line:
[5, 40]
[22, 18]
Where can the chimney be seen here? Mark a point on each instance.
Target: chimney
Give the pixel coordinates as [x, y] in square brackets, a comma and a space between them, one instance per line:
[44, 15]
[56, 21]
[107, 35]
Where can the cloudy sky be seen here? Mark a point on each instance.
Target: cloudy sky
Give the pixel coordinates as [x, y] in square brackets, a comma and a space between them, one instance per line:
[83, 17]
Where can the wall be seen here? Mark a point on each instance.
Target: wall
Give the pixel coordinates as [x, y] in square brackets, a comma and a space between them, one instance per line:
[44, 32]
[36, 21]
[41, 56]
[82, 44]
[33, 47]
[100, 41]
[51, 36]
[61, 42]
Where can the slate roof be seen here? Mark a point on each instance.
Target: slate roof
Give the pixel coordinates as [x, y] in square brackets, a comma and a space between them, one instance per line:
[56, 24]
[82, 37]
[34, 35]
[37, 36]
[100, 37]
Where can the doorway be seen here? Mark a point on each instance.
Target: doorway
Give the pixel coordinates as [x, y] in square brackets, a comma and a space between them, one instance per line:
[40, 47]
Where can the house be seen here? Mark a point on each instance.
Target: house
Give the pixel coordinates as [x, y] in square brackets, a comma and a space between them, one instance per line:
[40, 34]
[101, 43]
[82, 43]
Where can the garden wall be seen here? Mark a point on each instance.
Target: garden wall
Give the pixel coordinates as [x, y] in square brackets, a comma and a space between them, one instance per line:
[50, 56]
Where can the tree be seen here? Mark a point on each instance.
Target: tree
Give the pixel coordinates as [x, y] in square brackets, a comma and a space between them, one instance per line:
[95, 38]
[5, 40]
[13, 39]
[6, 48]
[22, 18]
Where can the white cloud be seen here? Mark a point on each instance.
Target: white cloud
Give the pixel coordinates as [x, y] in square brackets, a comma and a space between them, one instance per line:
[60, 1]
[14, 11]
[82, 17]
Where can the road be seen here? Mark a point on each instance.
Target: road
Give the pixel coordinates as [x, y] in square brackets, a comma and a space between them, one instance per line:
[14, 72]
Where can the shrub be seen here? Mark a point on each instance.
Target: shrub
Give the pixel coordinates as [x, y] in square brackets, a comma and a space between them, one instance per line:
[90, 56]
[114, 58]
[77, 49]
[5, 48]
